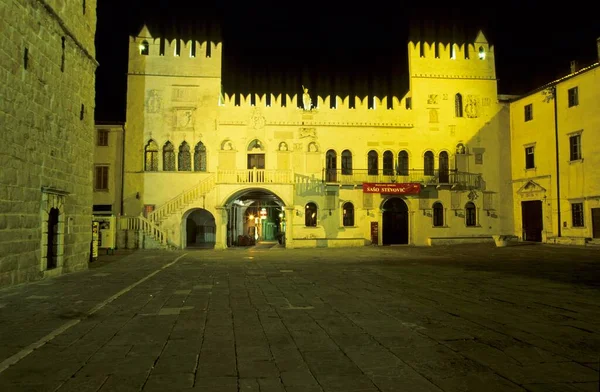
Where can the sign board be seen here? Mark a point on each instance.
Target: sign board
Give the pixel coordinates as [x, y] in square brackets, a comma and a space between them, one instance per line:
[410, 188]
[375, 233]
[95, 227]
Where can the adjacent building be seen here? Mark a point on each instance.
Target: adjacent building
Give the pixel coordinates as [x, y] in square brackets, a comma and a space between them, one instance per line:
[555, 133]
[203, 168]
[46, 111]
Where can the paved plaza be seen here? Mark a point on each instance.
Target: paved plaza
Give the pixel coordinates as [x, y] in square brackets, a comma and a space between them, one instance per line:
[447, 318]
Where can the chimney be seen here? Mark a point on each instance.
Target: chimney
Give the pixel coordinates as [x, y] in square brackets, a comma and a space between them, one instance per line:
[574, 66]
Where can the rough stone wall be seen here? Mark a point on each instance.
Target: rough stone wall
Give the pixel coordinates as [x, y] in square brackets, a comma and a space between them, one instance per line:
[46, 110]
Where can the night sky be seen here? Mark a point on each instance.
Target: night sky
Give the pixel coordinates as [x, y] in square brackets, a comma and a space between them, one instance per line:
[342, 47]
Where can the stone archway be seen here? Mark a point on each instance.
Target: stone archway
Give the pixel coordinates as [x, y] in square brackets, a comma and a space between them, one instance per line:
[198, 229]
[395, 222]
[255, 216]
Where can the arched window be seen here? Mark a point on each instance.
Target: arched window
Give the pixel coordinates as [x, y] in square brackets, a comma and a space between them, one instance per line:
[200, 157]
[184, 159]
[346, 162]
[438, 214]
[481, 53]
[458, 105]
[444, 168]
[151, 156]
[168, 157]
[145, 48]
[388, 163]
[373, 163]
[331, 166]
[428, 164]
[402, 169]
[348, 217]
[470, 214]
[310, 215]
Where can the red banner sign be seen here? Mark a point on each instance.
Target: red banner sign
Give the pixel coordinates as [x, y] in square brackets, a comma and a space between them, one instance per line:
[393, 188]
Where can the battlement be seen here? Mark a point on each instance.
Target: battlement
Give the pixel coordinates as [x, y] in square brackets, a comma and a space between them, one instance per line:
[156, 55]
[452, 60]
[319, 103]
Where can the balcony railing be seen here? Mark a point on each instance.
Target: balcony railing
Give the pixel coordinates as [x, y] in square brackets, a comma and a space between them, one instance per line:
[435, 177]
[254, 176]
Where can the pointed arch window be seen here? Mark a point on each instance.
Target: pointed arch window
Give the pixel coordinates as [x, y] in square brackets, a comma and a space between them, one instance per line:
[184, 159]
[438, 214]
[168, 157]
[402, 163]
[348, 217]
[346, 162]
[470, 214]
[458, 105]
[151, 156]
[310, 215]
[388, 163]
[428, 164]
[200, 157]
[373, 163]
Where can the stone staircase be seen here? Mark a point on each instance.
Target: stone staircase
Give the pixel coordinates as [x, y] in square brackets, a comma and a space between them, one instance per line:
[182, 200]
[152, 235]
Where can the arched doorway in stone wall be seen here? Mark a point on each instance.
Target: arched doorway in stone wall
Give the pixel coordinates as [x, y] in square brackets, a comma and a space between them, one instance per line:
[395, 222]
[198, 229]
[256, 216]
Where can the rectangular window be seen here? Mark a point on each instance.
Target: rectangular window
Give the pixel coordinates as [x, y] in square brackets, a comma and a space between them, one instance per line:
[573, 97]
[529, 112]
[101, 178]
[575, 147]
[102, 137]
[577, 214]
[529, 158]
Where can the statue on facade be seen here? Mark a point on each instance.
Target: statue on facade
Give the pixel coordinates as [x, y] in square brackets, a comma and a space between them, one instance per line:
[306, 101]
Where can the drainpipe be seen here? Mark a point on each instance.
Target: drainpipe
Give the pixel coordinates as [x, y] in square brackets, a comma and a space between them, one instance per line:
[557, 161]
[122, 167]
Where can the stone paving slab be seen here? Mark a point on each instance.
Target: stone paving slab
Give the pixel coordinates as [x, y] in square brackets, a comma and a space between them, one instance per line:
[448, 318]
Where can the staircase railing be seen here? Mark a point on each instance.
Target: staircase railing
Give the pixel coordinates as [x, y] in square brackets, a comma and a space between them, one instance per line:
[182, 200]
[140, 223]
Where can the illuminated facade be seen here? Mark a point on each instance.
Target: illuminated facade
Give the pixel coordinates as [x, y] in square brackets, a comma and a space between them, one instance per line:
[206, 169]
[48, 68]
[555, 132]
[108, 168]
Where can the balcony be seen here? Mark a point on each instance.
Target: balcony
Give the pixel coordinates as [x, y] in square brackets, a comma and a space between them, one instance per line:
[254, 176]
[439, 178]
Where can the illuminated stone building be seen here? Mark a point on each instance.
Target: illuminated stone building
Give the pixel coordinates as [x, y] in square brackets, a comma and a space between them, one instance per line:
[211, 169]
[555, 132]
[108, 168]
[46, 111]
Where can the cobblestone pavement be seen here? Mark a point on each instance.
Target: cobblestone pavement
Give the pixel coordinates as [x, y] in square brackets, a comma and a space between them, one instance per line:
[460, 318]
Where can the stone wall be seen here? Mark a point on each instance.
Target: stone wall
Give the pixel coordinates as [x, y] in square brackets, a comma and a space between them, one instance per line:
[47, 72]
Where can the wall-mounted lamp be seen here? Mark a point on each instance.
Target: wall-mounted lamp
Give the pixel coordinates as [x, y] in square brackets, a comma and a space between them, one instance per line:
[137, 195]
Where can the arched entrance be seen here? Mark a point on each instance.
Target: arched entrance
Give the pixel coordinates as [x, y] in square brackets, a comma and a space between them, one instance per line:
[198, 229]
[395, 222]
[255, 217]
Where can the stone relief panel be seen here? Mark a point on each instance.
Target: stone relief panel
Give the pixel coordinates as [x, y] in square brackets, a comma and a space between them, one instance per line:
[308, 133]
[433, 116]
[257, 120]
[227, 145]
[153, 101]
[184, 118]
[184, 94]
[472, 106]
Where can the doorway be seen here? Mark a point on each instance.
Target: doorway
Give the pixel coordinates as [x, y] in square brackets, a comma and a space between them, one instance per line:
[596, 222]
[395, 222]
[52, 239]
[531, 214]
[200, 229]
